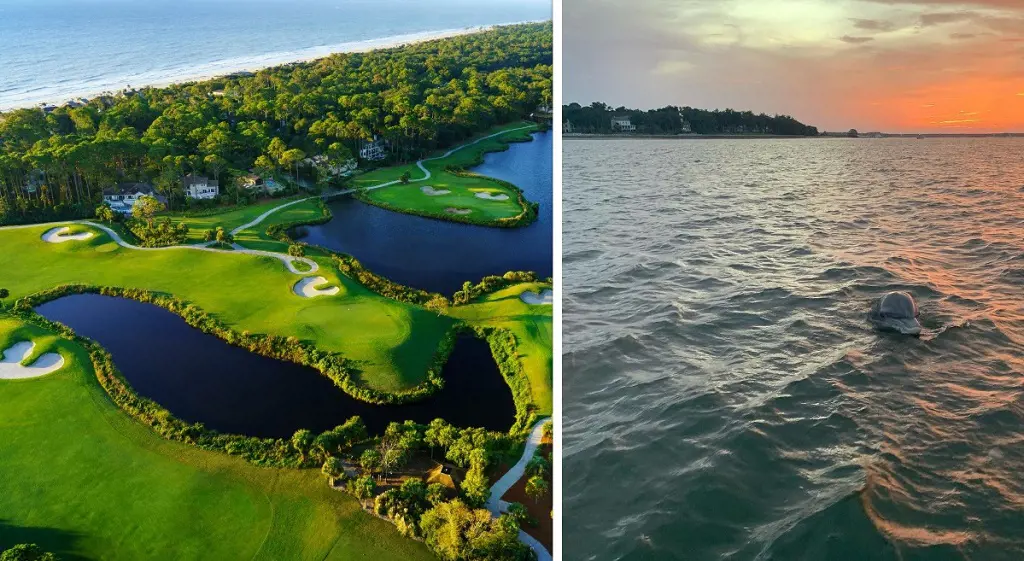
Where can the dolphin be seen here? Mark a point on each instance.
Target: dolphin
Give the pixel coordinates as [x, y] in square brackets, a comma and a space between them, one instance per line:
[896, 311]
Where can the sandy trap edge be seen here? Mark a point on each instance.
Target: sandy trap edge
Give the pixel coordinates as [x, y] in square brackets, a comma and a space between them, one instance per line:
[492, 197]
[307, 288]
[532, 298]
[431, 192]
[12, 369]
[60, 235]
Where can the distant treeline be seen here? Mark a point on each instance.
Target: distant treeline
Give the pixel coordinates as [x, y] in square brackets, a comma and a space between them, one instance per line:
[55, 162]
[596, 118]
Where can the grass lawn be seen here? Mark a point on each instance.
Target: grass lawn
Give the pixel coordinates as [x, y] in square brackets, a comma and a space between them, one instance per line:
[229, 219]
[83, 480]
[462, 190]
[257, 238]
[392, 341]
[532, 327]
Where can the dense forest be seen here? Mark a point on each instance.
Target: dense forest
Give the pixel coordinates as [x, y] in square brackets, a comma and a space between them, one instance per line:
[596, 118]
[55, 162]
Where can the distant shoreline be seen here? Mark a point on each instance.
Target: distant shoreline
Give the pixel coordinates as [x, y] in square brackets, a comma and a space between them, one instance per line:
[226, 67]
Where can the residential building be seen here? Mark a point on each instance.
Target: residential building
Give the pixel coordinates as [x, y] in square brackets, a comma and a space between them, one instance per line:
[253, 182]
[121, 197]
[199, 187]
[685, 127]
[374, 150]
[567, 127]
[622, 124]
[337, 169]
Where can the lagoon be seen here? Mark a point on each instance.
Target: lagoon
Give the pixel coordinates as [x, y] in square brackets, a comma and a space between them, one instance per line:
[200, 378]
[439, 256]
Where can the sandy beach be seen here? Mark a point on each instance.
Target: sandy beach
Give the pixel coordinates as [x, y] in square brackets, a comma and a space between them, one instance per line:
[58, 95]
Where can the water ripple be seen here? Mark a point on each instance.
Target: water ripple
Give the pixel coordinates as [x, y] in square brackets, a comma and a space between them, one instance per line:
[725, 396]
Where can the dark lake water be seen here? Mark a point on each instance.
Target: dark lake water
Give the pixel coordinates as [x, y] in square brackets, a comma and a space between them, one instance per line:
[200, 378]
[439, 256]
[725, 395]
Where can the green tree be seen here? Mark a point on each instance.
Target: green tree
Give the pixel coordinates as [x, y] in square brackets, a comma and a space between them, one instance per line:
[536, 488]
[302, 440]
[406, 176]
[224, 237]
[211, 234]
[296, 250]
[362, 488]
[105, 214]
[26, 552]
[518, 513]
[456, 532]
[145, 208]
[333, 468]
[437, 493]
[475, 489]
[370, 461]
[4, 293]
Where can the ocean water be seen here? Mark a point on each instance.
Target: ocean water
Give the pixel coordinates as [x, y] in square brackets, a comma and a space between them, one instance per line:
[724, 394]
[53, 50]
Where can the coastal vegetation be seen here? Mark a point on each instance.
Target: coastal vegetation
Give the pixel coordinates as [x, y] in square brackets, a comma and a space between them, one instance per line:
[411, 100]
[596, 118]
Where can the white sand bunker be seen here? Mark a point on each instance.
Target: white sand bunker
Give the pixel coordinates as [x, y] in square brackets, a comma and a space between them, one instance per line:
[12, 369]
[60, 235]
[451, 210]
[430, 191]
[492, 196]
[307, 288]
[532, 298]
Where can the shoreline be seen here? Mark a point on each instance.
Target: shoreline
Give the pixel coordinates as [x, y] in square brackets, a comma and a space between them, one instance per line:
[226, 67]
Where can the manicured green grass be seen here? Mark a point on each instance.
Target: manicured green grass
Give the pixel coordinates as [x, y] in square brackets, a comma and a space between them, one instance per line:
[532, 327]
[83, 480]
[393, 342]
[229, 219]
[462, 190]
[257, 238]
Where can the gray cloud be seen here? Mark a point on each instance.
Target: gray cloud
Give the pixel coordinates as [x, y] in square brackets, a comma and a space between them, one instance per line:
[856, 40]
[939, 18]
[873, 24]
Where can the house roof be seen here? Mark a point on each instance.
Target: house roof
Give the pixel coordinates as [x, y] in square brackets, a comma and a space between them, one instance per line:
[129, 188]
[192, 179]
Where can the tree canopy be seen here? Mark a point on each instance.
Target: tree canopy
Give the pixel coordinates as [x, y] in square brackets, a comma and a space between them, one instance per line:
[597, 118]
[413, 99]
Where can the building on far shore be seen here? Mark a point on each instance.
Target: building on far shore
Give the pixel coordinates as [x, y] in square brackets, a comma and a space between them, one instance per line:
[567, 127]
[373, 150]
[685, 126]
[121, 197]
[338, 169]
[199, 187]
[621, 123]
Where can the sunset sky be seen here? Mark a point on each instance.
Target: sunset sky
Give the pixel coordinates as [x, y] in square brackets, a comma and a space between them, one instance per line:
[888, 65]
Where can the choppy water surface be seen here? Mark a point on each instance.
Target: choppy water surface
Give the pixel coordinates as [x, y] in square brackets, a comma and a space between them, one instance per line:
[725, 397]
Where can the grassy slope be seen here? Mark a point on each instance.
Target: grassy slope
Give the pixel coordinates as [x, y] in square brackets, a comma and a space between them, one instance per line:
[84, 480]
[257, 238]
[394, 341]
[532, 327]
[198, 225]
[463, 189]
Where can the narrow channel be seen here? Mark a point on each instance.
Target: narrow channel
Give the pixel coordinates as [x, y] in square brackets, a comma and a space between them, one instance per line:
[200, 378]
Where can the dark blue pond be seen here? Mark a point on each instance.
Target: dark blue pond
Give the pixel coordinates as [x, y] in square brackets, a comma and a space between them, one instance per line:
[439, 256]
[200, 378]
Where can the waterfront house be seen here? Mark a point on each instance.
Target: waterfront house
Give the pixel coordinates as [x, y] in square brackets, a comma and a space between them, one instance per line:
[567, 127]
[373, 150]
[121, 197]
[199, 187]
[621, 123]
[339, 169]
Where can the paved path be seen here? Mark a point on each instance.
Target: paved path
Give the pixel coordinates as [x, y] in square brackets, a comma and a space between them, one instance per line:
[498, 506]
[419, 164]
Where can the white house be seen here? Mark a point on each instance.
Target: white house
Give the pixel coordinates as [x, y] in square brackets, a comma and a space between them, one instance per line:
[199, 187]
[567, 127]
[373, 150]
[622, 124]
[121, 198]
[685, 126]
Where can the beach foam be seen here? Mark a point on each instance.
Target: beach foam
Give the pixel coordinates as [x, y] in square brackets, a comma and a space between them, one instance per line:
[12, 369]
